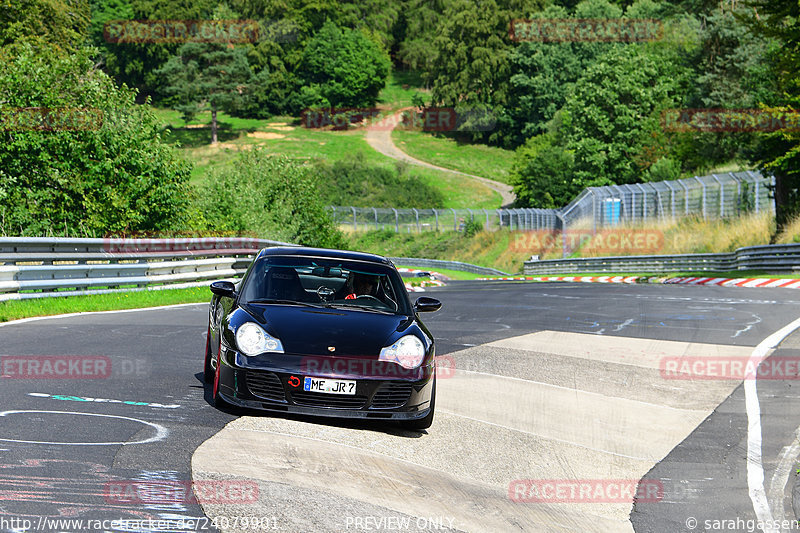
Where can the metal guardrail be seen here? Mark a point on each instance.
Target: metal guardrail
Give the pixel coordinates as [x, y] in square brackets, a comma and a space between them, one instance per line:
[39, 267]
[67, 267]
[769, 258]
[451, 265]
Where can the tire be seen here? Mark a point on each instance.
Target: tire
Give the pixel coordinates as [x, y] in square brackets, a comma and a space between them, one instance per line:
[217, 400]
[426, 421]
[208, 371]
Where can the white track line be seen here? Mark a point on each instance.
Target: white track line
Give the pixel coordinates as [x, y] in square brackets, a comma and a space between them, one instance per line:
[781, 477]
[755, 468]
[83, 313]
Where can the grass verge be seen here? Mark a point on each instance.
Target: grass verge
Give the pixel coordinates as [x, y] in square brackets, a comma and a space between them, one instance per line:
[400, 89]
[285, 136]
[489, 249]
[16, 309]
[477, 159]
[452, 274]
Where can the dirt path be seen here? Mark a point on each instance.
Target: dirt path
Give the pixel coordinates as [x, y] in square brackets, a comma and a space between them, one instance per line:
[380, 139]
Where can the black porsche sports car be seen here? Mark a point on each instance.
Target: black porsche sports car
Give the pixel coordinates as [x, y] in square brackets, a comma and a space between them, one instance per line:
[322, 332]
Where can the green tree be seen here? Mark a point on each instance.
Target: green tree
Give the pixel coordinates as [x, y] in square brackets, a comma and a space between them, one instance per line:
[663, 170]
[420, 20]
[544, 72]
[611, 113]
[62, 23]
[211, 76]
[97, 164]
[342, 67]
[376, 18]
[470, 67]
[271, 196]
[137, 63]
[471, 46]
[778, 153]
[733, 72]
[288, 26]
[542, 174]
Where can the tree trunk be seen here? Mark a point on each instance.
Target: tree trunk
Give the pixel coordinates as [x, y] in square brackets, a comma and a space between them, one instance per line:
[213, 125]
[787, 200]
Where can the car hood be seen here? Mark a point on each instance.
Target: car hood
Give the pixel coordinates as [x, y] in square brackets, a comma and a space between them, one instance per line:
[308, 331]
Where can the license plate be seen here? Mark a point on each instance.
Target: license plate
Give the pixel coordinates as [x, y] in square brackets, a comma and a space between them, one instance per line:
[330, 386]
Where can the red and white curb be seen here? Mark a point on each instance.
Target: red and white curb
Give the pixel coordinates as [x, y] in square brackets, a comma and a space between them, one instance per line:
[411, 288]
[425, 283]
[720, 282]
[585, 279]
[739, 282]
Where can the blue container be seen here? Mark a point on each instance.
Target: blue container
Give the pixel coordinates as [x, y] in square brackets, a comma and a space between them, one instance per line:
[611, 211]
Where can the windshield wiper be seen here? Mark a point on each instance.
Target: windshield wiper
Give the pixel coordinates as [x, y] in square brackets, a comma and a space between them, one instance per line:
[361, 307]
[282, 302]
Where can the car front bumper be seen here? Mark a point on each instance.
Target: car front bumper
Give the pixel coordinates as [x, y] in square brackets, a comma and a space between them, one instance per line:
[278, 390]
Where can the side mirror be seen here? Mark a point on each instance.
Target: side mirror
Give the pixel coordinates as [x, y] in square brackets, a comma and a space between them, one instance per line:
[424, 304]
[224, 288]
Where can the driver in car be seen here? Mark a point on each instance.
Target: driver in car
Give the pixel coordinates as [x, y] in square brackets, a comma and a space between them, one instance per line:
[363, 285]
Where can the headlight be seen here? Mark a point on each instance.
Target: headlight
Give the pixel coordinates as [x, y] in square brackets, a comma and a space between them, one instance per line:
[252, 340]
[407, 352]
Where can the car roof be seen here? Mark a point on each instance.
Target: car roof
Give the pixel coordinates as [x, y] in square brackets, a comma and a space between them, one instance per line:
[324, 252]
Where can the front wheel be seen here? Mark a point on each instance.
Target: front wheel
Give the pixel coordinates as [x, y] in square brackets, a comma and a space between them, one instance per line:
[426, 421]
[217, 400]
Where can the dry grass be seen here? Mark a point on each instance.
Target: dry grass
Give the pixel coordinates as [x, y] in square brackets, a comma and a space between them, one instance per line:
[506, 250]
[790, 233]
[266, 135]
[491, 249]
[702, 236]
[685, 236]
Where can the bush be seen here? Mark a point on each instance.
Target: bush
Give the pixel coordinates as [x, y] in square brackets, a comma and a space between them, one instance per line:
[112, 173]
[663, 170]
[542, 174]
[270, 196]
[354, 182]
[472, 227]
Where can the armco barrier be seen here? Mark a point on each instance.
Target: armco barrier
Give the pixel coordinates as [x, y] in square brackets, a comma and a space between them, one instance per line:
[768, 258]
[66, 267]
[451, 265]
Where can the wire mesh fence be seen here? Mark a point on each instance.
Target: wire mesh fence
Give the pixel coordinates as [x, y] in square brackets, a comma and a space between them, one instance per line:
[410, 220]
[714, 196]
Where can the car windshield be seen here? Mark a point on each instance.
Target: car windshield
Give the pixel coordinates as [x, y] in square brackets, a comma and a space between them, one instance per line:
[328, 282]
